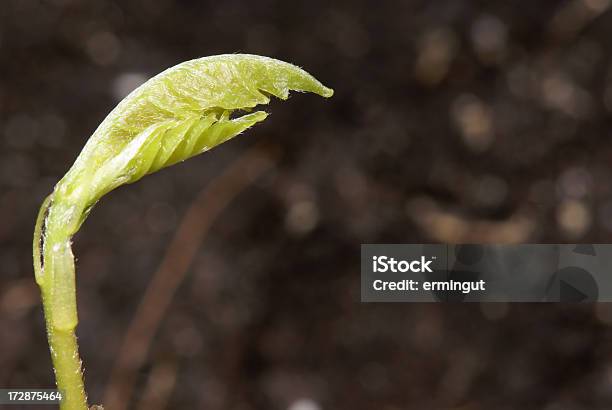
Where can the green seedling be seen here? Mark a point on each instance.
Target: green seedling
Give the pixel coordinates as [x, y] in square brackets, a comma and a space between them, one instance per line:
[182, 112]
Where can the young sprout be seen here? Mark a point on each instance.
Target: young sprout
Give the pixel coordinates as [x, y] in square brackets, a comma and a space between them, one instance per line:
[176, 115]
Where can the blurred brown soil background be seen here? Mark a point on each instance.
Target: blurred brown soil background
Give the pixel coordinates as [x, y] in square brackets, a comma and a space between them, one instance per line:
[453, 121]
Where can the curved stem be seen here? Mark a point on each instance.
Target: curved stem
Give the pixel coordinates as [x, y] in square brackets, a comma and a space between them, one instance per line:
[55, 275]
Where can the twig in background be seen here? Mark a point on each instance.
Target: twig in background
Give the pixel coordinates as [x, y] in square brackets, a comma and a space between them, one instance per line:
[159, 386]
[194, 226]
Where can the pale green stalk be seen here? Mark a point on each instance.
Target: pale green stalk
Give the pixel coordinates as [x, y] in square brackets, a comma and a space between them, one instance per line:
[58, 292]
[180, 113]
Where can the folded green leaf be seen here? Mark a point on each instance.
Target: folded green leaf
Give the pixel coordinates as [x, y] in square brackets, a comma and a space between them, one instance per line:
[179, 113]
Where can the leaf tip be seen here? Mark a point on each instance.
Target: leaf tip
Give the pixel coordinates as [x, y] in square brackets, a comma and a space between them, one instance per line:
[327, 92]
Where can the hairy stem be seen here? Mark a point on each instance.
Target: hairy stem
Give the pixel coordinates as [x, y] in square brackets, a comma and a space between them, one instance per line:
[67, 364]
[55, 274]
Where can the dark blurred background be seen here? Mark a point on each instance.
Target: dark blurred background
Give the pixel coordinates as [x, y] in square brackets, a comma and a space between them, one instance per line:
[453, 121]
